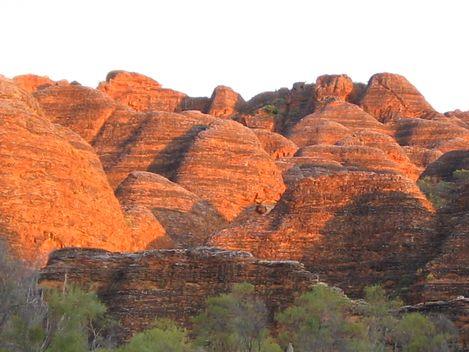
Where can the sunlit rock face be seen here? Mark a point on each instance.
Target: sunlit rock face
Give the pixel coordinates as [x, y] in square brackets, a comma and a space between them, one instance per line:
[172, 283]
[186, 218]
[54, 191]
[324, 173]
[390, 96]
[352, 227]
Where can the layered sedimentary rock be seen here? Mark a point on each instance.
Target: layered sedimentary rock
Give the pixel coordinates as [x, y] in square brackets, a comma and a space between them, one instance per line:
[141, 93]
[156, 142]
[186, 218]
[276, 145]
[439, 135]
[225, 102]
[312, 129]
[390, 96]
[352, 228]
[84, 110]
[139, 287]
[333, 87]
[32, 83]
[227, 166]
[54, 192]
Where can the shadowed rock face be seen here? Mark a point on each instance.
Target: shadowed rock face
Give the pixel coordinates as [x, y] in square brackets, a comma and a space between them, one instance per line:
[172, 283]
[186, 218]
[351, 228]
[82, 109]
[54, 191]
[156, 142]
[227, 166]
[351, 212]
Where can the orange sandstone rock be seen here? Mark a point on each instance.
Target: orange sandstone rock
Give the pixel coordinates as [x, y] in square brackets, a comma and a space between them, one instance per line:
[225, 102]
[227, 166]
[140, 92]
[32, 83]
[54, 191]
[389, 96]
[186, 218]
[333, 87]
[276, 145]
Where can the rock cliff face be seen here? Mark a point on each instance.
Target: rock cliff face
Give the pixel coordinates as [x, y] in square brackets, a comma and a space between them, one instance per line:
[54, 192]
[389, 96]
[352, 228]
[172, 283]
[186, 218]
[227, 166]
[323, 173]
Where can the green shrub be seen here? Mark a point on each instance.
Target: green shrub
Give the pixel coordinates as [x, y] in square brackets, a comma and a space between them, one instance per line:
[317, 321]
[234, 322]
[164, 336]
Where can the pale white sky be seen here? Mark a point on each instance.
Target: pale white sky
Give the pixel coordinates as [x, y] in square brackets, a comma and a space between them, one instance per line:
[252, 46]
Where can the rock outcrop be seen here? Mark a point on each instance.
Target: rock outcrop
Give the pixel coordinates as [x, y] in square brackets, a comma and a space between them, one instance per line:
[390, 96]
[54, 192]
[141, 93]
[313, 128]
[172, 283]
[227, 167]
[186, 218]
[32, 83]
[225, 102]
[352, 228]
[155, 142]
[333, 87]
[84, 110]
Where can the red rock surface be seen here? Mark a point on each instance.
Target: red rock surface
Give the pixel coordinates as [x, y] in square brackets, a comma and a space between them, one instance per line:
[32, 83]
[276, 145]
[84, 110]
[390, 96]
[140, 92]
[225, 102]
[333, 87]
[156, 142]
[227, 166]
[311, 129]
[351, 228]
[439, 135]
[173, 283]
[54, 191]
[186, 218]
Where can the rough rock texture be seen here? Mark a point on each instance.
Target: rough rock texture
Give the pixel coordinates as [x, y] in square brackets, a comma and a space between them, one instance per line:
[394, 153]
[84, 110]
[390, 96]
[461, 116]
[439, 135]
[186, 218]
[276, 145]
[154, 142]
[227, 166]
[172, 283]
[421, 156]
[333, 87]
[140, 92]
[32, 83]
[54, 192]
[447, 275]
[353, 229]
[443, 167]
[358, 157]
[225, 102]
[311, 129]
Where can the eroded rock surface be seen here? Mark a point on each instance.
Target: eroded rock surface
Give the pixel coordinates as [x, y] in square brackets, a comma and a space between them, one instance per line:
[54, 192]
[172, 283]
